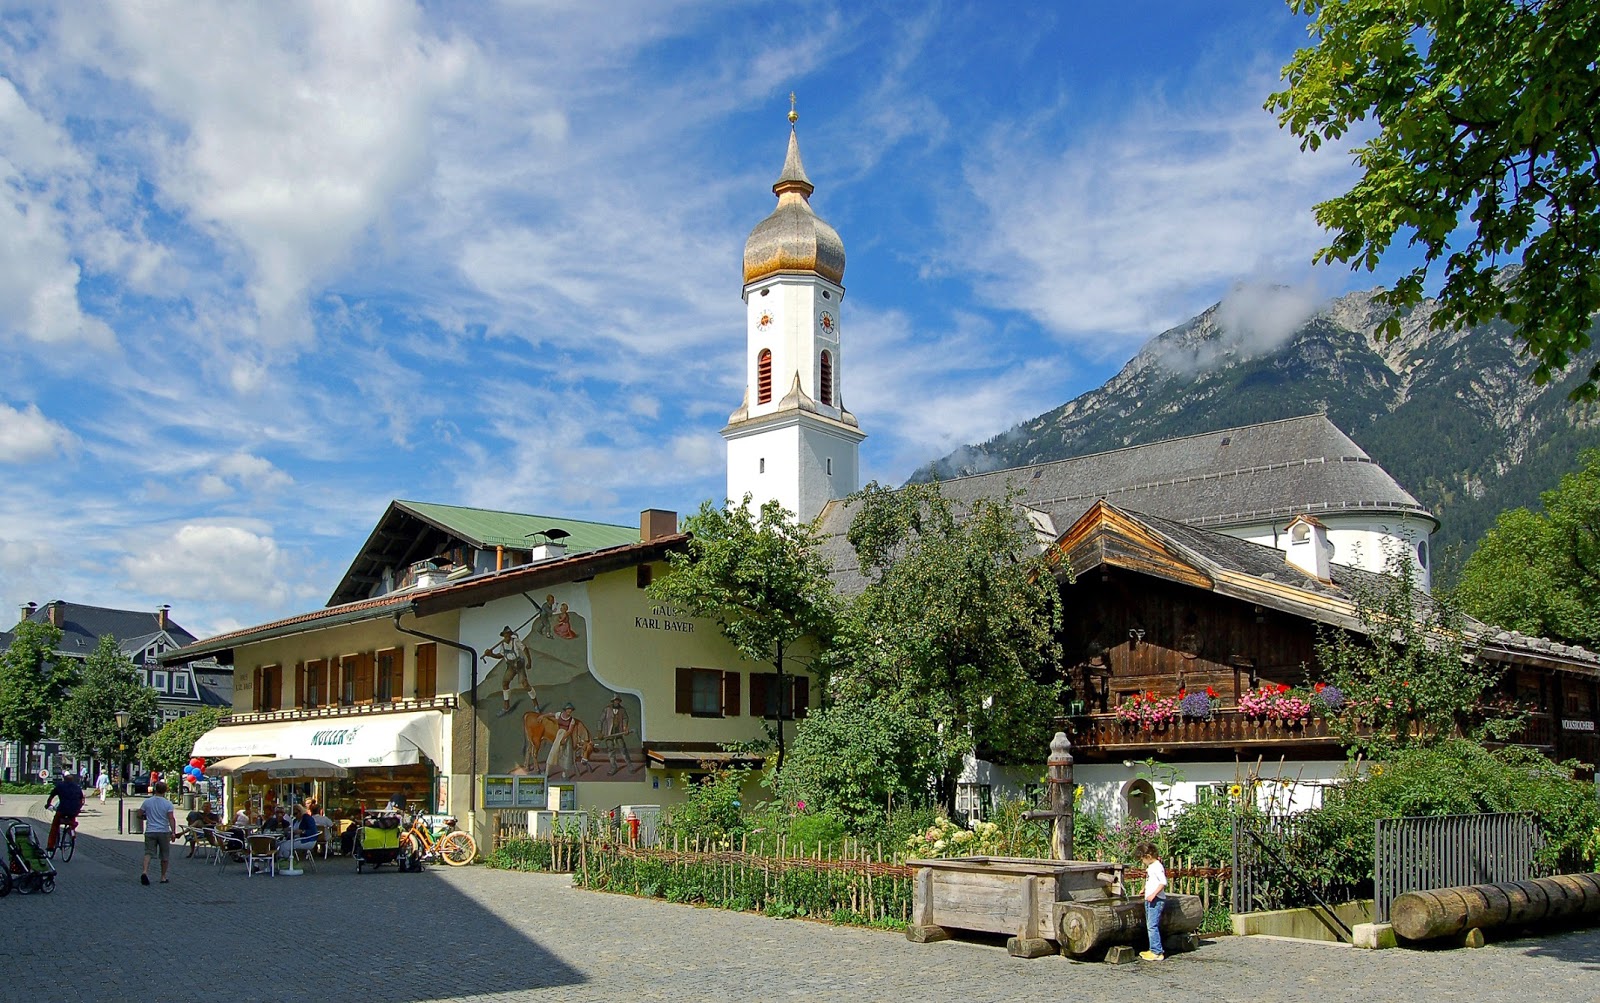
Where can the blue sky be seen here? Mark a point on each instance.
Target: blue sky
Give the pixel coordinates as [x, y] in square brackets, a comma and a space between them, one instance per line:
[264, 267]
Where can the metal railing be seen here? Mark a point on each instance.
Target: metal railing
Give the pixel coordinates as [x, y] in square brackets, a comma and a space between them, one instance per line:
[1415, 854]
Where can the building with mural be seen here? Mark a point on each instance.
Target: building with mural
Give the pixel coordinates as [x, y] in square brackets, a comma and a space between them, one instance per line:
[484, 692]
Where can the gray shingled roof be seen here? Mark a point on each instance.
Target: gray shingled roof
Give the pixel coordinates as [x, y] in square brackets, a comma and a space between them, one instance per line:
[83, 626]
[1230, 477]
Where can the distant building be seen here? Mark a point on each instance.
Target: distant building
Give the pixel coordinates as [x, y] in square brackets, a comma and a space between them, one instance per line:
[141, 635]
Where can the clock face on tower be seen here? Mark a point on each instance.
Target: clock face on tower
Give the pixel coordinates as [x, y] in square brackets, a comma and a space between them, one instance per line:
[826, 321]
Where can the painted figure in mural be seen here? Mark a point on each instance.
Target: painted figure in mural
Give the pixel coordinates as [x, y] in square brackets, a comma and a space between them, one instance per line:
[571, 740]
[544, 616]
[563, 627]
[515, 659]
[613, 733]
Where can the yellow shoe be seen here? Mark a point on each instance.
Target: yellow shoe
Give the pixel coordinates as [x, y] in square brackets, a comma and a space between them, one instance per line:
[1152, 956]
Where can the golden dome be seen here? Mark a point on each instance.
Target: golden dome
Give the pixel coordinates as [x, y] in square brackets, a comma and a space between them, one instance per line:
[793, 238]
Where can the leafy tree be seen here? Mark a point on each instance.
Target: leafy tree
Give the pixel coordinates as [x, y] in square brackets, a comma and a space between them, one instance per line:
[33, 677]
[1482, 108]
[171, 748]
[1539, 573]
[85, 719]
[1408, 675]
[761, 578]
[957, 624]
[859, 761]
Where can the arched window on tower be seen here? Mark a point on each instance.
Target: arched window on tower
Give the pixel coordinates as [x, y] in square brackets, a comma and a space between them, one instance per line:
[764, 377]
[825, 384]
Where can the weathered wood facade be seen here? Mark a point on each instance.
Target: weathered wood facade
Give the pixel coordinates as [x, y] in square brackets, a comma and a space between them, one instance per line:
[1158, 607]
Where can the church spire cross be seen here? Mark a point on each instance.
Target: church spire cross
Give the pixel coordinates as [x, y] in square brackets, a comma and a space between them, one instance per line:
[794, 116]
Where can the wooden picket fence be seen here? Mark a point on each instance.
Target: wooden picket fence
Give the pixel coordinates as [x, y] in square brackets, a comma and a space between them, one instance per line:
[854, 882]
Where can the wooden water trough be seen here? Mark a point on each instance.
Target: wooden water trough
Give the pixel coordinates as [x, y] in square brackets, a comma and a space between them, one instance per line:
[1075, 907]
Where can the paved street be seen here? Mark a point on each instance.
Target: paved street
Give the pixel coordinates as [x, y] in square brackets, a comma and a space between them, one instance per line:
[477, 934]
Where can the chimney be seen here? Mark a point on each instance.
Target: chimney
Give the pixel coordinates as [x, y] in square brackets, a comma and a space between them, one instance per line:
[1308, 546]
[56, 610]
[654, 523]
[27, 610]
[161, 616]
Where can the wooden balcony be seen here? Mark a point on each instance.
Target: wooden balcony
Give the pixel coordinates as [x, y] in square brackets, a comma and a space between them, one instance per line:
[1226, 729]
[444, 702]
[1108, 736]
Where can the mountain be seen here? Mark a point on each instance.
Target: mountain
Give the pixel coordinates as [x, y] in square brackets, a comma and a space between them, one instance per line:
[1451, 414]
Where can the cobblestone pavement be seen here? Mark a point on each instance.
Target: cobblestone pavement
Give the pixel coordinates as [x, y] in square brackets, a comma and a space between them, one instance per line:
[476, 934]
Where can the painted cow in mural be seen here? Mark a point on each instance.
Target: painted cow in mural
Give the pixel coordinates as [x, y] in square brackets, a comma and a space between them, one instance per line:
[540, 728]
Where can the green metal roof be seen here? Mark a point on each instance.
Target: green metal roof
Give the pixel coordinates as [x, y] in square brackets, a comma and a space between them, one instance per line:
[488, 528]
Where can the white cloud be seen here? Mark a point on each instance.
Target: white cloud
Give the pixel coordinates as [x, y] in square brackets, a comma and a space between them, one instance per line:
[291, 126]
[242, 472]
[1133, 229]
[28, 435]
[205, 561]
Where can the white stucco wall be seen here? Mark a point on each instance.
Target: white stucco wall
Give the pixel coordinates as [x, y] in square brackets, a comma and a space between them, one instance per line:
[1359, 541]
[1293, 786]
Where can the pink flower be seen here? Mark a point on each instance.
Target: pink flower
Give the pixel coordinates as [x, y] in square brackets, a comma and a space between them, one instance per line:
[799, 806]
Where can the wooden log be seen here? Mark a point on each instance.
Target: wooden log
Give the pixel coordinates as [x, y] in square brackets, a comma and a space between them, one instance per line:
[1086, 927]
[919, 934]
[1449, 912]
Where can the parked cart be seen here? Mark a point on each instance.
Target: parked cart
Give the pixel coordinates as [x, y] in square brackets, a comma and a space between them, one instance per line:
[378, 840]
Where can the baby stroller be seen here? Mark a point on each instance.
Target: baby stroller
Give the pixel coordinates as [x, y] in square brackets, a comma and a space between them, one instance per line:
[378, 841]
[29, 869]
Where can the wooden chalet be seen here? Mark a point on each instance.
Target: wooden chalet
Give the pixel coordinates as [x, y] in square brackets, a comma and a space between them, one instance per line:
[1158, 606]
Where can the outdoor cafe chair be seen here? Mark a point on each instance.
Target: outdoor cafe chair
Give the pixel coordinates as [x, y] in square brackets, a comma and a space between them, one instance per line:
[228, 847]
[262, 850]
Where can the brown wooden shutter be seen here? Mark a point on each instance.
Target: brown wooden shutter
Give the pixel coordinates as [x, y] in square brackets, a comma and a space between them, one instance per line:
[427, 670]
[299, 684]
[802, 696]
[758, 694]
[685, 703]
[255, 689]
[364, 677]
[730, 694]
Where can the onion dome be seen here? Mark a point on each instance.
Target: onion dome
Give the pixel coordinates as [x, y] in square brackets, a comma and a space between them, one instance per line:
[793, 238]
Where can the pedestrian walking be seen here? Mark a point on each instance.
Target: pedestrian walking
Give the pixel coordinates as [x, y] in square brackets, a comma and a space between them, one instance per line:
[102, 784]
[160, 822]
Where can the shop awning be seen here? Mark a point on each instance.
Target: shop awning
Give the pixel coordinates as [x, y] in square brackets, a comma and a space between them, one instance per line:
[368, 740]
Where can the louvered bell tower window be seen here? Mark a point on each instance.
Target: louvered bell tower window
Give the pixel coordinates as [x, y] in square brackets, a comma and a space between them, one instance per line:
[764, 377]
[825, 385]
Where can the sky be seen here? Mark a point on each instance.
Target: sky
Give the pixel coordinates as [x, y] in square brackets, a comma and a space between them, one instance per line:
[266, 266]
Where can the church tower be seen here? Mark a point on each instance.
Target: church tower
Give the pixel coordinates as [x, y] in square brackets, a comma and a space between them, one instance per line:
[792, 438]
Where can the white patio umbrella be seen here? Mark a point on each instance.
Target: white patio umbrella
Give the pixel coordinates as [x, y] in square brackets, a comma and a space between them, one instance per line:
[230, 765]
[293, 769]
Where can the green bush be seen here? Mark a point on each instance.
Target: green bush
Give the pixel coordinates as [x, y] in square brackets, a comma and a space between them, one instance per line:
[858, 762]
[25, 788]
[1203, 832]
[1456, 777]
[712, 814]
[814, 830]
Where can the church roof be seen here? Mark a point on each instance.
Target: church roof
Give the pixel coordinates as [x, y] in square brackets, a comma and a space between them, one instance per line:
[1228, 478]
[793, 238]
[1231, 477]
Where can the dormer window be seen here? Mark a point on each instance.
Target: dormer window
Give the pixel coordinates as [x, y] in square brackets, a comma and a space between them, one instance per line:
[825, 379]
[1299, 533]
[764, 377]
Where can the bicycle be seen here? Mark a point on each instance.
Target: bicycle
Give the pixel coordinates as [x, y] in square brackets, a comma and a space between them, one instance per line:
[66, 840]
[454, 847]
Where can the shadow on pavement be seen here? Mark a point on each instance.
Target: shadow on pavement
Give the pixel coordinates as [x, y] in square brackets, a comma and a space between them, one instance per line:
[328, 933]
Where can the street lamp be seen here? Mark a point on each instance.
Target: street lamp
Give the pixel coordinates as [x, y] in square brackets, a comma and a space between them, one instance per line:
[122, 717]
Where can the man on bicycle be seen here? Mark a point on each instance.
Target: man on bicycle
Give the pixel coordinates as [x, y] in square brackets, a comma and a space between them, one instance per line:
[68, 797]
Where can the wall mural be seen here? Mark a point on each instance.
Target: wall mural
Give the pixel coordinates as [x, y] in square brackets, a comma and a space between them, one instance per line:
[554, 718]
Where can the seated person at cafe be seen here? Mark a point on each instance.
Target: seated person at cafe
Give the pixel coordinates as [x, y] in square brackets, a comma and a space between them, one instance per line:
[304, 832]
[275, 820]
[203, 817]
